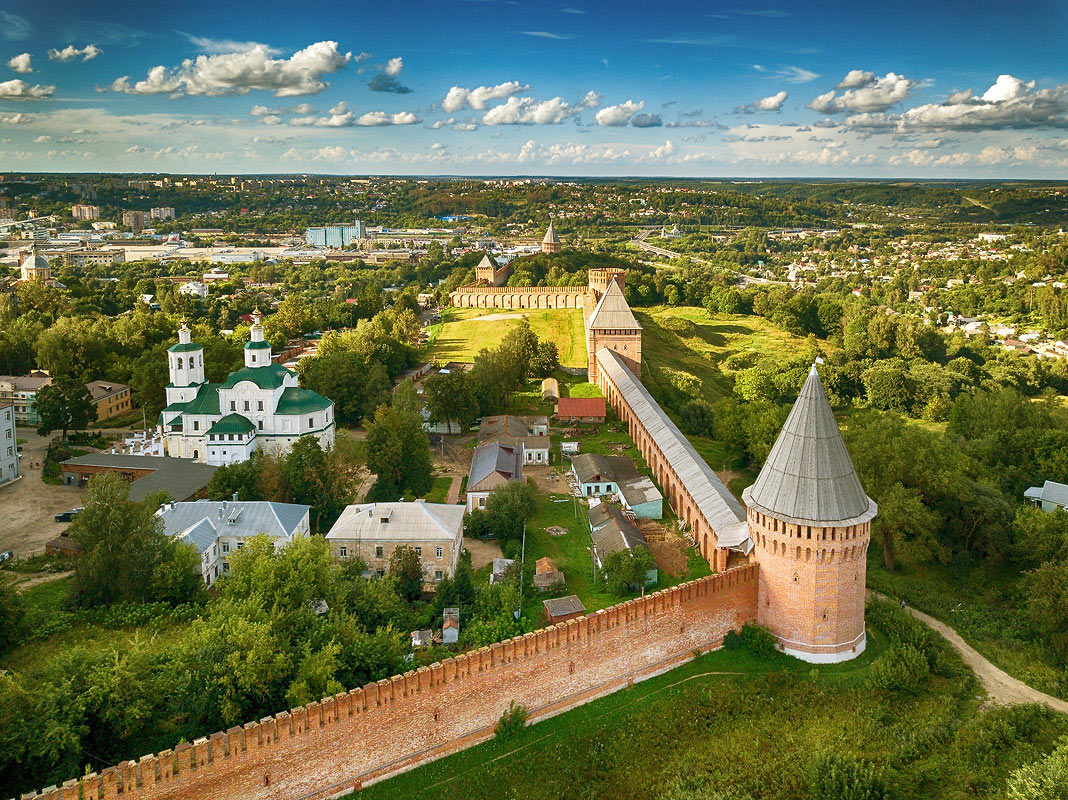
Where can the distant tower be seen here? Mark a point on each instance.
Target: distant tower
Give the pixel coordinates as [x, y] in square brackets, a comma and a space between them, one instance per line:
[489, 273]
[810, 522]
[257, 351]
[185, 362]
[551, 244]
[33, 266]
[598, 279]
[612, 325]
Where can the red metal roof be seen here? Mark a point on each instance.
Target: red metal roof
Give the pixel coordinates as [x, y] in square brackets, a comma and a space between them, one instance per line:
[580, 407]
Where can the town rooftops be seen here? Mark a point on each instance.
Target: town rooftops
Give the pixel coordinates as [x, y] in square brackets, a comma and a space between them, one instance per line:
[494, 464]
[720, 509]
[809, 477]
[612, 312]
[201, 522]
[181, 478]
[418, 521]
[581, 407]
[611, 531]
[101, 389]
[1049, 492]
[596, 468]
[26, 383]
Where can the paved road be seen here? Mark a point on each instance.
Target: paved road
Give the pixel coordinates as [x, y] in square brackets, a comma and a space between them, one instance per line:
[1001, 688]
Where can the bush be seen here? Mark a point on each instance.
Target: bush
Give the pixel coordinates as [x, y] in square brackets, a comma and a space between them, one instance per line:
[752, 639]
[835, 777]
[1045, 779]
[902, 668]
[512, 722]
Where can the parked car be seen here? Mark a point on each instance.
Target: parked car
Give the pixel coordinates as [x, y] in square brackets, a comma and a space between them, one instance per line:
[68, 516]
[7, 555]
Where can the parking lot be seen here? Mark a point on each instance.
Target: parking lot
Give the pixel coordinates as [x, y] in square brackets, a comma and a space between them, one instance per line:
[28, 505]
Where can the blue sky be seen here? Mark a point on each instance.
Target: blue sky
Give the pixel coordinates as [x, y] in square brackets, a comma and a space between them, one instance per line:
[487, 87]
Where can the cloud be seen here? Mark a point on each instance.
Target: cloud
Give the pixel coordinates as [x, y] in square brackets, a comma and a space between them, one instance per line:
[338, 117]
[386, 80]
[696, 41]
[549, 35]
[20, 63]
[866, 93]
[528, 111]
[218, 46]
[242, 72]
[263, 111]
[441, 123]
[771, 103]
[788, 73]
[378, 118]
[13, 27]
[70, 53]
[20, 90]
[591, 100]
[1008, 104]
[571, 10]
[14, 119]
[619, 115]
[477, 98]
[646, 121]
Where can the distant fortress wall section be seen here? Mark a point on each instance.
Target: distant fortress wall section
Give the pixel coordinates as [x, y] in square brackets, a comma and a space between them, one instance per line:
[329, 748]
[696, 494]
[519, 297]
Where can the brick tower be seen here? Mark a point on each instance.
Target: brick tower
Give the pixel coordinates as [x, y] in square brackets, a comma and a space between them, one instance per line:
[612, 325]
[810, 522]
[551, 243]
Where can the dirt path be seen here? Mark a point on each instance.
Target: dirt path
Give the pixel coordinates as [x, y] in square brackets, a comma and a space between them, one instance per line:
[22, 583]
[454, 490]
[1001, 688]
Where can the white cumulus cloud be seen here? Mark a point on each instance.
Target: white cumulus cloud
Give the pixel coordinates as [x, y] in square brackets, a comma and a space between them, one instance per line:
[20, 63]
[619, 115]
[18, 89]
[242, 72]
[337, 117]
[865, 92]
[376, 118]
[771, 103]
[477, 98]
[528, 111]
[70, 53]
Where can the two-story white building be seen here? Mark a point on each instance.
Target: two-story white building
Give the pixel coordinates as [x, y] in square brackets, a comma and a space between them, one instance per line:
[261, 406]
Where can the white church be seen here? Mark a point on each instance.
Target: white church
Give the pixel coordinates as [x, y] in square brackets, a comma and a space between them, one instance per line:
[258, 407]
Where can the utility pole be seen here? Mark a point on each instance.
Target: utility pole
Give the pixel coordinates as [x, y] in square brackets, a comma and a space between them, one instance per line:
[522, 572]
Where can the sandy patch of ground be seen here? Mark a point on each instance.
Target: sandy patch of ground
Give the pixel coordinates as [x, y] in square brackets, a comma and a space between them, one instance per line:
[482, 553]
[28, 505]
[498, 317]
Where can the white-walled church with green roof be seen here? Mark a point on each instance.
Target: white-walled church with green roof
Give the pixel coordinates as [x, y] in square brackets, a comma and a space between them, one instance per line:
[258, 407]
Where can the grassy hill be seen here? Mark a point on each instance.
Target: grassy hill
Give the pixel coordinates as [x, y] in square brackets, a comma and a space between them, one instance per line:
[466, 331]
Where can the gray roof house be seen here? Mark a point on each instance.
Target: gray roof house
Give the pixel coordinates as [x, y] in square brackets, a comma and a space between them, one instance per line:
[492, 465]
[217, 528]
[611, 532]
[598, 475]
[1049, 496]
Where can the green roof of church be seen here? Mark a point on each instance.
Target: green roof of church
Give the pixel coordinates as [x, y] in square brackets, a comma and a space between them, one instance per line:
[295, 400]
[232, 423]
[206, 401]
[257, 345]
[184, 348]
[270, 376]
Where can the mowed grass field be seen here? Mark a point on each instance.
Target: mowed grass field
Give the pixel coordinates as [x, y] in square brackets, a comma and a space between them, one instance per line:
[466, 331]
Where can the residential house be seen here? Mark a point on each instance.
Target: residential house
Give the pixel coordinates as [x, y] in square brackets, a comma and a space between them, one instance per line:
[600, 476]
[218, 528]
[181, 478]
[613, 532]
[492, 465]
[9, 450]
[110, 399]
[372, 531]
[529, 433]
[1049, 496]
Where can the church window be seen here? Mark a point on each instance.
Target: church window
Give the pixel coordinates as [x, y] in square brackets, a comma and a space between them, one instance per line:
[246, 405]
[797, 578]
[259, 424]
[179, 363]
[259, 405]
[311, 422]
[438, 552]
[196, 425]
[233, 405]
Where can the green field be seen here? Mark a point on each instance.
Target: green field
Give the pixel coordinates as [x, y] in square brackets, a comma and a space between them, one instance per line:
[730, 726]
[466, 331]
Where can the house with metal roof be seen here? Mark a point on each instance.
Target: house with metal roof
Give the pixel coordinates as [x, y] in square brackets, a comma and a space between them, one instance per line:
[180, 478]
[580, 409]
[259, 407]
[372, 531]
[1049, 496]
[492, 465]
[603, 476]
[613, 531]
[218, 528]
[530, 433]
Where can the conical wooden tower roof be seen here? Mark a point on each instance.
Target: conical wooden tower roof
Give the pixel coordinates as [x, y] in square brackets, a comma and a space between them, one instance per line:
[809, 478]
[612, 312]
[550, 235]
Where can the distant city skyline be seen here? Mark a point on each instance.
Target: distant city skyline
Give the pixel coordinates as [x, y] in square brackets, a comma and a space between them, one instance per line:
[490, 87]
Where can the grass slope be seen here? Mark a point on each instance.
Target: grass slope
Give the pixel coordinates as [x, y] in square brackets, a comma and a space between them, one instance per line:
[465, 332]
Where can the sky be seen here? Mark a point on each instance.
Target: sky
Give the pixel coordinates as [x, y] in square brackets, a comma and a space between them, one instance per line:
[572, 88]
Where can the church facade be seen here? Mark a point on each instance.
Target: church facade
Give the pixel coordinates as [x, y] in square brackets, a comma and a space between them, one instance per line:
[258, 407]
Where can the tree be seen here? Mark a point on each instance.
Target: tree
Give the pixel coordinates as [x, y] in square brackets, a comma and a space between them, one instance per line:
[1044, 779]
[546, 359]
[64, 404]
[398, 452]
[450, 398]
[1046, 593]
[339, 376]
[12, 616]
[509, 507]
[836, 777]
[291, 318]
[127, 555]
[624, 571]
[405, 566]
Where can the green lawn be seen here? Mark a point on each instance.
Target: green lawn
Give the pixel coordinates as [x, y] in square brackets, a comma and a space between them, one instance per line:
[729, 726]
[439, 489]
[465, 332]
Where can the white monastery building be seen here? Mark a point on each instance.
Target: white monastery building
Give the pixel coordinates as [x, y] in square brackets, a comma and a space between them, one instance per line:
[258, 407]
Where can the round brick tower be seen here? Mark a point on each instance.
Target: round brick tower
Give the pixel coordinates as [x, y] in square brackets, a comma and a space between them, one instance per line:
[810, 522]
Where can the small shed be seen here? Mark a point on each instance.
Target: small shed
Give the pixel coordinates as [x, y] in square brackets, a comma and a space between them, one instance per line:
[550, 390]
[64, 546]
[561, 609]
[422, 638]
[581, 409]
[546, 575]
[500, 569]
[450, 626]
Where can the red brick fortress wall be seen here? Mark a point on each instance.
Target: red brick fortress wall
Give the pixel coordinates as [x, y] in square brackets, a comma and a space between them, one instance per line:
[326, 749]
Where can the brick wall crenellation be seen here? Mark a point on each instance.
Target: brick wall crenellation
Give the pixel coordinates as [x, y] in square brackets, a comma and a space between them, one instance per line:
[331, 746]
